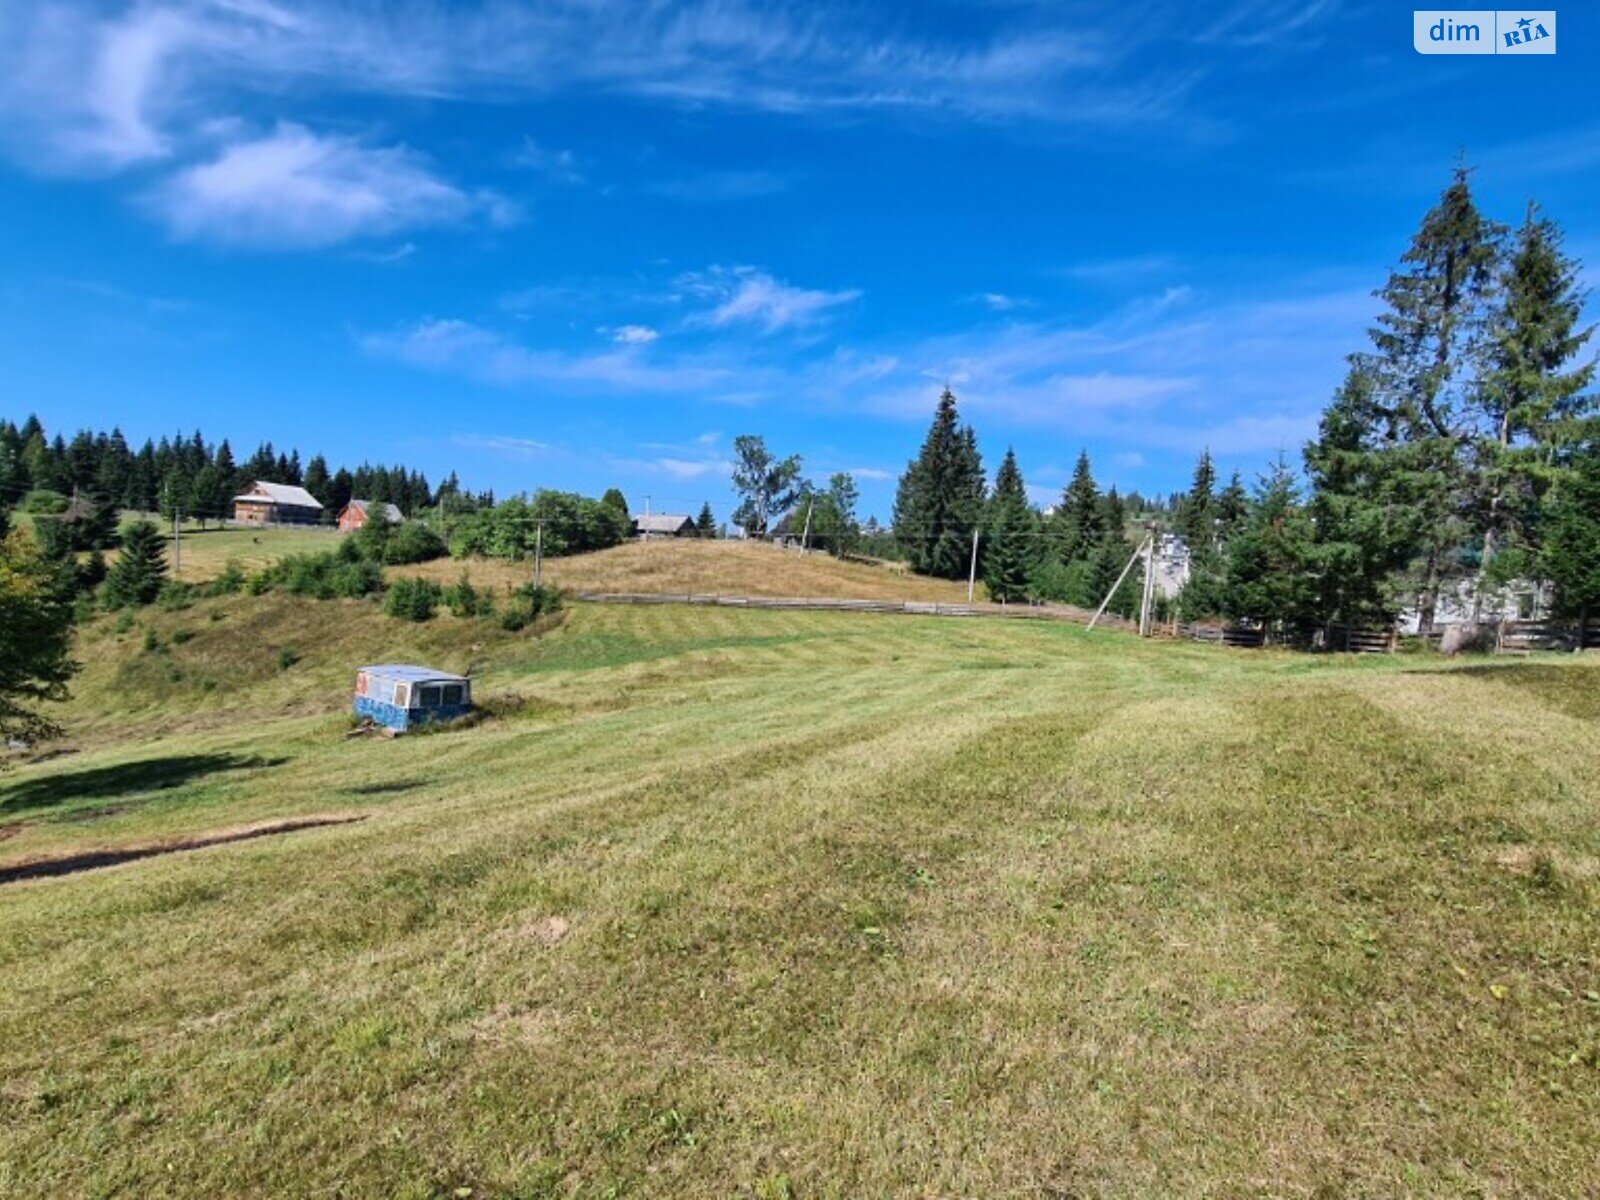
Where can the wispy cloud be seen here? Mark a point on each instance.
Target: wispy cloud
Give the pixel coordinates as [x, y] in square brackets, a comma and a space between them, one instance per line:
[558, 166]
[747, 296]
[503, 445]
[295, 188]
[719, 187]
[633, 335]
[461, 347]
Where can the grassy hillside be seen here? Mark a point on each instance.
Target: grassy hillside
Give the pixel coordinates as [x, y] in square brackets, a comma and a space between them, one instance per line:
[732, 568]
[803, 904]
[665, 565]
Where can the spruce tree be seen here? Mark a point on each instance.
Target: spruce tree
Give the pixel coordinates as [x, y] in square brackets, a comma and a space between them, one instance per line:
[1529, 402]
[1269, 574]
[1364, 533]
[939, 502]
[35, 651]
[1426, 361]
[1233, 505]
[1195, 519]
[1009, 535]
[705, 525]
[1571, 526]
[140, 569]
[1077, 526]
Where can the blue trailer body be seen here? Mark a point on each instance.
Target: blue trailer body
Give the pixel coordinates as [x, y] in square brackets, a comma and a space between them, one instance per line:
[401, 696]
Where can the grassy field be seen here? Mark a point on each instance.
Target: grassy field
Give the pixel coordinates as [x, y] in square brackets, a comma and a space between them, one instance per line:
[730, 568]
[778, 904]
[665, 565]
[206, 552]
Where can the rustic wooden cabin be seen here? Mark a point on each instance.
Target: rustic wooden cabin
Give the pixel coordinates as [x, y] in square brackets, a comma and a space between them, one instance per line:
[659, 525]
[266, 503]
[401, 696]
[356, 514]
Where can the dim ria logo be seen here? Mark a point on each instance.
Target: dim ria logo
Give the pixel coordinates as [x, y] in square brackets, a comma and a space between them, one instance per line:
[1484, 31]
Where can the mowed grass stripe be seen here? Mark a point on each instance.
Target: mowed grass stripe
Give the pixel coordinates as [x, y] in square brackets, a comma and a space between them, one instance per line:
[835, 905]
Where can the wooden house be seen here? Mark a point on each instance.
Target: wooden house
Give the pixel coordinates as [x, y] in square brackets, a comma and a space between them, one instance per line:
[276, 504]
[664, 525]
[355, 514]
[401, 696]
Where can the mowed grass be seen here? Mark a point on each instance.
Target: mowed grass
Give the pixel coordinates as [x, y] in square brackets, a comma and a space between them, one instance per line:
[812, 905]
[205, 553]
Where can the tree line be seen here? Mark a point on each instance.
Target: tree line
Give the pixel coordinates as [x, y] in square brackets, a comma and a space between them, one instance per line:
[1461, 453]
[184, 475]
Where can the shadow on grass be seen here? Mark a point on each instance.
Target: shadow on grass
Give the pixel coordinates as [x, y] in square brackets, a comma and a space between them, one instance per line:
[383, 789]
[1565, 686]
[47, 868]
[124, 779]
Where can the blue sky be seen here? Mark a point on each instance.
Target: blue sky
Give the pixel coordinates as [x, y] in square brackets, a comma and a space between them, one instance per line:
[583, 244]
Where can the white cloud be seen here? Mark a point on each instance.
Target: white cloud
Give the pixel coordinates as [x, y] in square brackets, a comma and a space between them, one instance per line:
[746, 296]
[998, 301]
[503, 445]
[633, 335]
[464, 348]
[296, 188]
[559, 166]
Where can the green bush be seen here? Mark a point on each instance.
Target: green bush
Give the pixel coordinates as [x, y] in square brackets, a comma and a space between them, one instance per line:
[464, 600]
[43, 501]
[287, 658]
[331, 575]
[412, 599]
[528, 603]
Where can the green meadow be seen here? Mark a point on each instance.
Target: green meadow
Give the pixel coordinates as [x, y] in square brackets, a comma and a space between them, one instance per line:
[785, 904]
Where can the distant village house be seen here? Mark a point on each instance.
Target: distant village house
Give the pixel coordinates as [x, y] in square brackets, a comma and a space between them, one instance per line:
[276, 504]
[664, 525]
[354, 515]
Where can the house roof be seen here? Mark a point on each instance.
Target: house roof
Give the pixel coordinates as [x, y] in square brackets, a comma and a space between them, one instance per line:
[662, 522]
[280, 493]
[411, 673]
[390, 511]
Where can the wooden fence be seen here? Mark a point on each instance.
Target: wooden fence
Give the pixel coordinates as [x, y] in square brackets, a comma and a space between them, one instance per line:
[1510, 637]
[1524, 637]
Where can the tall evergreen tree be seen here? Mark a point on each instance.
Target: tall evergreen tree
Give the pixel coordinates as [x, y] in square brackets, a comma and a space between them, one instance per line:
[1010, 535]
[939, 502]
[705, 524]
[35, 651]
[1363, 531]
[1426, 361]
[317, 478]
[1530, 400]
[1077, 525]
[1571, 552]
[1269, 558]
[1196, 517]
[140, 569]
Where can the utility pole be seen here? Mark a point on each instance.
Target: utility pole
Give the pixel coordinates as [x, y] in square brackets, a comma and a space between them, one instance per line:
[1100, 612]
[972, 569]
[644, 534]
[1147, 601]
[805, 537]
[177, 547]
[538, 552]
